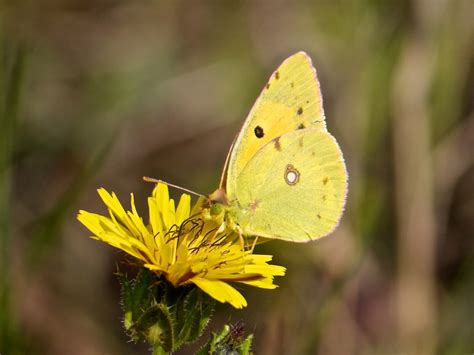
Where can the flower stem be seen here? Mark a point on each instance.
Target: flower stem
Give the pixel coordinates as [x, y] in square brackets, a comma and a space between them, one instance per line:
[12, 60]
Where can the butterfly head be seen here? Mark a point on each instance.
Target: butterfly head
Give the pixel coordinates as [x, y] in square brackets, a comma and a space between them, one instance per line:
[218, 197]
[218, 209]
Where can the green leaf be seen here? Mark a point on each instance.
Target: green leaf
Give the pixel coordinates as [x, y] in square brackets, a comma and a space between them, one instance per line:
[246, 345]
[228, 341]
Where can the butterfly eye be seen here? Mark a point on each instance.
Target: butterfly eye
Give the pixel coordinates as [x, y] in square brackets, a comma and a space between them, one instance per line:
[259, 132]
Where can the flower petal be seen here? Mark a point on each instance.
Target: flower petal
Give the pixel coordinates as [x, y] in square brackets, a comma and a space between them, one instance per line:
[221, 291]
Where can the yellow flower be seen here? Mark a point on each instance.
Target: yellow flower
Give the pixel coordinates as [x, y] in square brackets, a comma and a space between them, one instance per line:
[178, 244]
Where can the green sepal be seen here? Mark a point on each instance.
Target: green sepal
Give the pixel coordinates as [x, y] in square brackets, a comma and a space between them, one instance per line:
[156, 326]
[193, 315]
[164, 316]
[135, 293]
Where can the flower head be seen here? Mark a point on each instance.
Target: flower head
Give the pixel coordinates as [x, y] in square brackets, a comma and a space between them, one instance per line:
[182, 246]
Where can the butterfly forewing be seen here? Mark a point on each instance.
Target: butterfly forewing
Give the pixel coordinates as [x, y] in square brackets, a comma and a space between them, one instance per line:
[290, 101]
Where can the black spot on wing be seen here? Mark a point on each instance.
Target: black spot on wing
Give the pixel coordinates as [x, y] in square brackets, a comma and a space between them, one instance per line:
[300, 111]
[277, 75]
[301, 126]
[259, 132]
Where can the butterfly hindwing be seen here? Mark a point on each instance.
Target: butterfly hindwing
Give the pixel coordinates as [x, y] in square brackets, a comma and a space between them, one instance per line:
[294, 188]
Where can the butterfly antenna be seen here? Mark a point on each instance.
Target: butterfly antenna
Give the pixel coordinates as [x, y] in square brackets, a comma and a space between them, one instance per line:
[156, 181]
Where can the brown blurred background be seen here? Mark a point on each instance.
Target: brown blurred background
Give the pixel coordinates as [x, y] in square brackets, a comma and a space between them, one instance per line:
[100, 93]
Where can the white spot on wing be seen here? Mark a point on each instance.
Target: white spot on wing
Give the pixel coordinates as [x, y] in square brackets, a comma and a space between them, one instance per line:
[291, 175]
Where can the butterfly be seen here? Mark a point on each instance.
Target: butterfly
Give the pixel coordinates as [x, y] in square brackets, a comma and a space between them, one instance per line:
[284, 176]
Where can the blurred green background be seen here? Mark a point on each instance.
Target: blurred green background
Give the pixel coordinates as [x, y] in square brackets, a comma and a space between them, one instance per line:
[101, 92]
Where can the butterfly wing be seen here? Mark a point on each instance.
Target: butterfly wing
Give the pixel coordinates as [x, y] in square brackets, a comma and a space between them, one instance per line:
[291, 100]
[294, 188]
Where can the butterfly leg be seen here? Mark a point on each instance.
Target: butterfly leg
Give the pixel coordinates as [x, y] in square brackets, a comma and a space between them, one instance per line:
[243, 243]
[254, 244]
[241, 238]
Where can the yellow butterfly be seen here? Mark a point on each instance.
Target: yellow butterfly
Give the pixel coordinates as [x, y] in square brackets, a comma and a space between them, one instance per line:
[284, 177]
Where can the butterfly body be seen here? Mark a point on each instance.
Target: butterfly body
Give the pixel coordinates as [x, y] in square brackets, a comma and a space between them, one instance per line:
[284, 177]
